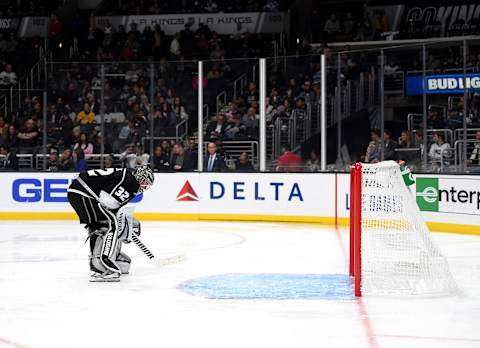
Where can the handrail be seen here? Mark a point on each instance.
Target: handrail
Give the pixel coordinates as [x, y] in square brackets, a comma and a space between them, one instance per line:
[242, 80]
[220, 95]
[411, 121]
[177, 130]
[458, 149]
[206, 115]
[458, 135]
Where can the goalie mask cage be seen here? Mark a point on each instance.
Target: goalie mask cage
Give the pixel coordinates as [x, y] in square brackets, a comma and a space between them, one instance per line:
[391, 252]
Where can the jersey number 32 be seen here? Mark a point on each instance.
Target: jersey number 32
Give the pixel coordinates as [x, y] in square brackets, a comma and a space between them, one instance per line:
[121, 194]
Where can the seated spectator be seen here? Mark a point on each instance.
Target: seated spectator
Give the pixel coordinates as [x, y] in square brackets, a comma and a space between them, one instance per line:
[52, 162]
[166, 147]
[243, 163]
[300, 108]
[419, 139]
[313, 163]
[3, 130]
[84, 144]
[181, 160]
[108, 162]
[213, 162]
[66, 161]
[288, 162]
[81, 164]
[251, 123]
[404, 141]
[216, 129]
[161, 162]
[434, 119]
[8, 78]
[28, 137]
[85, 118]
[179, 109]
[252, 93]
[389, 146]
[236, 130]
[10, 139]
[192, 149]
[475, 156]
[439, 149]
[372, 155]
[306, 93]
[97, 145]
[454, 119]
[331, 27]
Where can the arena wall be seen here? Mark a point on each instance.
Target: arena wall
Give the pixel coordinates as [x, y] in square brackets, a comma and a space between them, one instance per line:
[450, 203]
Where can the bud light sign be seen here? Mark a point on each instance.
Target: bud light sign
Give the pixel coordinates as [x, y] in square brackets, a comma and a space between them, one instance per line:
[442, 84]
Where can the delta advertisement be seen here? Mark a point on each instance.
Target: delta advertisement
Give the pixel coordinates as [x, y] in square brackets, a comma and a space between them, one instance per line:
[442, 84]
[304, 197]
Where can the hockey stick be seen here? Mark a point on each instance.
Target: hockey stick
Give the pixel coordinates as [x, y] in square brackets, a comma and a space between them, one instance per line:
[165, 261]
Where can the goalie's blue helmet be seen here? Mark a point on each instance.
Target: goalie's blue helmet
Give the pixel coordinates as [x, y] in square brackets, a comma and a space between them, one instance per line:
[144, 175]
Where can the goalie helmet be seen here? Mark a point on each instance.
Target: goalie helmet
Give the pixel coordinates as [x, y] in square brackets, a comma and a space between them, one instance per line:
[144, 176]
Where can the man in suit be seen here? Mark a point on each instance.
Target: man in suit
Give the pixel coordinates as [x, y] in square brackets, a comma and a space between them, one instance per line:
[213, 162]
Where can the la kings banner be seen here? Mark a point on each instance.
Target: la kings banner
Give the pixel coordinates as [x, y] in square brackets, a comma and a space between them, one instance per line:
[222, 23]
[445, 15]
[8, 24]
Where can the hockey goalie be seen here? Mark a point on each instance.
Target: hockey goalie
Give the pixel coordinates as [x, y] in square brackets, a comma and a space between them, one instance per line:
[99, 198]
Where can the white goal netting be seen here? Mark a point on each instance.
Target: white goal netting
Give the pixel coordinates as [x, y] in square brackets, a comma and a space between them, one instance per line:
[398, 254]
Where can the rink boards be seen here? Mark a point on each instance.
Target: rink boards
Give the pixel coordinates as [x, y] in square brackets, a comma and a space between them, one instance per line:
[449, 203]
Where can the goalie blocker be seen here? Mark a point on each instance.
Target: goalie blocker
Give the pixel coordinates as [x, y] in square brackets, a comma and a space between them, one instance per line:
[99, 198]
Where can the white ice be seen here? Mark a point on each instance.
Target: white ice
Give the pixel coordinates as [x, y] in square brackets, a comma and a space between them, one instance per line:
[47, 301]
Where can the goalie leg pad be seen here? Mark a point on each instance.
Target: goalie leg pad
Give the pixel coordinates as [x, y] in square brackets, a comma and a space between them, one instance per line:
[99, 261]
[123, 260]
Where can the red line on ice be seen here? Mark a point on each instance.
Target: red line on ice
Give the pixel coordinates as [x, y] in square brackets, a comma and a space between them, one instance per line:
[372, 341]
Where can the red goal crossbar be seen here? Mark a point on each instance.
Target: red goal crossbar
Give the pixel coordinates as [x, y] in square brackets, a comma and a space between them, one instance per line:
[355, 268]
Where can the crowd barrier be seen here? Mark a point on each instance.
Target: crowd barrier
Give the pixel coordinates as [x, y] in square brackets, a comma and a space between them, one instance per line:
[449, 203]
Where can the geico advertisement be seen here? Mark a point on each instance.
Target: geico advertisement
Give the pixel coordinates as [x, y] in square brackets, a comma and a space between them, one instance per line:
[187, 193]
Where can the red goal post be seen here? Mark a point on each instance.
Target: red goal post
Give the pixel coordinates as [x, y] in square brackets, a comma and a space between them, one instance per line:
[391, 250]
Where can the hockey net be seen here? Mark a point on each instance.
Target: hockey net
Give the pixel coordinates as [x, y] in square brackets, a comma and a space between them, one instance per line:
[392, 253]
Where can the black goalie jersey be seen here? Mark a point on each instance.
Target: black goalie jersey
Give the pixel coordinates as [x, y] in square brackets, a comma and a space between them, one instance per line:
[118, 183]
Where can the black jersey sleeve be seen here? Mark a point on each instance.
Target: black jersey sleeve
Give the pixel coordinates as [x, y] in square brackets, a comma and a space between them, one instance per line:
[122, 186]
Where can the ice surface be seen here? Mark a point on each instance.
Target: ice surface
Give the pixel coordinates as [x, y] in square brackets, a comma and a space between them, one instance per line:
[47, 301]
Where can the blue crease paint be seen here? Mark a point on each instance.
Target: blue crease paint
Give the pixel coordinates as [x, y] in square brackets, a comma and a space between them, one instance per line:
[271, 286]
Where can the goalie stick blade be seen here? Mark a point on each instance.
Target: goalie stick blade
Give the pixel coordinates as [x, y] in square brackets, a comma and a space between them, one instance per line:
[171, 260]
